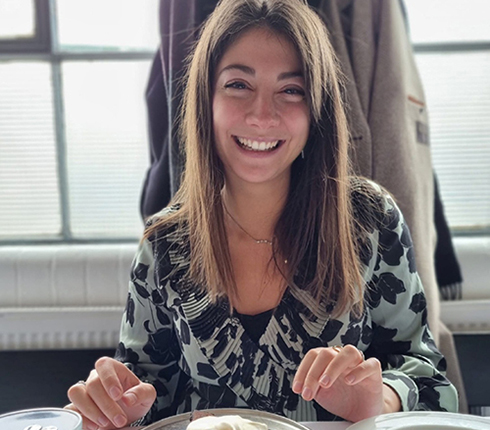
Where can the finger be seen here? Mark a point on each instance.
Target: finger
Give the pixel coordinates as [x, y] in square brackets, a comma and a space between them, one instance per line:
[312, 381]
[143, 394]
[304, 366]
[115, 377]
[370, 367]
[93, 417]
[347, 358]
[86, 423]
[109, 407]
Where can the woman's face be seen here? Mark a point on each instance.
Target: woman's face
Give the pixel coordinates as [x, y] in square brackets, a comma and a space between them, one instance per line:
[260, 114]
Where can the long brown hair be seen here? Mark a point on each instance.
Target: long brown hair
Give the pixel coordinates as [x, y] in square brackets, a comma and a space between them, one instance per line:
[315, 229]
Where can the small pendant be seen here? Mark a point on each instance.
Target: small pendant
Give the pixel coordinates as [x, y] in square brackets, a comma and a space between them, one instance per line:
[260, 241]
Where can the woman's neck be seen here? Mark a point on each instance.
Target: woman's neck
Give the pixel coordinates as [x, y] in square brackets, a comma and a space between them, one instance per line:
[256, 208]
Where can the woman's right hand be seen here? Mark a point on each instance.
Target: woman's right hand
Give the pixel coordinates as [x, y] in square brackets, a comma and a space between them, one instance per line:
[112, 397]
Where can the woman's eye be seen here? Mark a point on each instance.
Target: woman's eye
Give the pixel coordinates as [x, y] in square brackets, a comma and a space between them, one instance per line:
[295, 91]
[236, 85]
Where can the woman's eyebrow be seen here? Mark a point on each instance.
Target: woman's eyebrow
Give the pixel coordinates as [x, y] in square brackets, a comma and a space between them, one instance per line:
[250, 71]
[288, 75]
[241, 67]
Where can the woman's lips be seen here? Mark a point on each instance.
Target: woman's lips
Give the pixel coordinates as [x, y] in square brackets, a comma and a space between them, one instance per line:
[257, 145]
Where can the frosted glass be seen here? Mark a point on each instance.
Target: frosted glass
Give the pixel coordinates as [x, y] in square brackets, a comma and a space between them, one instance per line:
[17, 19]
[108, 24]
[433, 21]
[29, 196]
[107, 146]
[458, 96]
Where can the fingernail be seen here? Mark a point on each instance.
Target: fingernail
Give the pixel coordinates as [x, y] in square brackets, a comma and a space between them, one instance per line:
[91, 426]
[103, 421]
[130, 399]
[324, 380]
[307, 394]
[297, 387]
[114, 392]
[350, 379]
[119, 420]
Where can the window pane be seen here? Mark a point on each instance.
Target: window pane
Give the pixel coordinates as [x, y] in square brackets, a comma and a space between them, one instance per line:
[107, 146]
[458, 95]
[29, 198]
[108, 24]
[448, 20]
[16, 19]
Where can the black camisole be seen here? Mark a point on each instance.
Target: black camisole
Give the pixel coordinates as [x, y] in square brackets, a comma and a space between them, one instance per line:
[255, 325]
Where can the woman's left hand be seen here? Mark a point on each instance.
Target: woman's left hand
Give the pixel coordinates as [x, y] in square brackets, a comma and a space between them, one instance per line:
[341, 381]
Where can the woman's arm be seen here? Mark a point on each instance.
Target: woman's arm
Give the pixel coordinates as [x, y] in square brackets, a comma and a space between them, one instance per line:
[148, 344]
[412, 365]
[144, 383]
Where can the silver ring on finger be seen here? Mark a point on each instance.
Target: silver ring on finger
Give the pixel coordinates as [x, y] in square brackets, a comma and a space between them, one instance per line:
[81, 382]
[363, 357]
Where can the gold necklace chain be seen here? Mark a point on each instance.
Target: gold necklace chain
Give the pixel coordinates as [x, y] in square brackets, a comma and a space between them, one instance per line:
[258, 241]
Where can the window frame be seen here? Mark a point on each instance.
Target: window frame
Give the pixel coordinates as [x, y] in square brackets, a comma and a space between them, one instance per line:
[41, 41]
[44, 47]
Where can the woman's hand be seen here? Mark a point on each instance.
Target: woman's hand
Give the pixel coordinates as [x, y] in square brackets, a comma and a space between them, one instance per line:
[112, 397]
[342, 382]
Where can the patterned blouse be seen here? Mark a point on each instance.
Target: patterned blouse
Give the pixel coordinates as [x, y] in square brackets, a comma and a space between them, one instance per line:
[198, 356]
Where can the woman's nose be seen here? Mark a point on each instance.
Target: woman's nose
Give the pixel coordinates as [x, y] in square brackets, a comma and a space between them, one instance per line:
[263, 112]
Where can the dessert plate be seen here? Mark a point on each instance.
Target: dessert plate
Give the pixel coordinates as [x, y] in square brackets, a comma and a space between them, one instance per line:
[423, 421]
[273, 421]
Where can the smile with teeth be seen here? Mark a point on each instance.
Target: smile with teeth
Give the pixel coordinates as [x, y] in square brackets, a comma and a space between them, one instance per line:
[254, 145]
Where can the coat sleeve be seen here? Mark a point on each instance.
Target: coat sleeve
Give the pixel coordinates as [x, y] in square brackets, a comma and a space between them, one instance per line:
[412, 364]
[148, 343]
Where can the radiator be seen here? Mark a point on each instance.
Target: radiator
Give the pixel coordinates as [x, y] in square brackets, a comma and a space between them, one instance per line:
[59, 328]
[72, 296]
[58, 276]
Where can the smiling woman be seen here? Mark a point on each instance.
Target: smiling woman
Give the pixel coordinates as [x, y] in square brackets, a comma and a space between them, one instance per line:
[273, 281]
[261, 116]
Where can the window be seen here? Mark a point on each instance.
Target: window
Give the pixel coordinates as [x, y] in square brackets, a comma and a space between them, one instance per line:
[452, 44]
[73, 138]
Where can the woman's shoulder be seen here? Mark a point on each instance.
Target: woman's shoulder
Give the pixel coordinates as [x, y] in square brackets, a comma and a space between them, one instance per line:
[164, 223]
[372, 205]
[166, 235]
[164, 214]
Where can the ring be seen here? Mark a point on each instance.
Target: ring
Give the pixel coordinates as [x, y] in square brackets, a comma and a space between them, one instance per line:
[82, 382]
[337, 348]
[362, 355]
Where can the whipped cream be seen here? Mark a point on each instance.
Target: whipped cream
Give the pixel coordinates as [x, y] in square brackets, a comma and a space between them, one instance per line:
[225, 422]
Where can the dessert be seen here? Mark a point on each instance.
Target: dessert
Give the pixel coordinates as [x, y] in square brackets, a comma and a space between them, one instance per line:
[225, 422]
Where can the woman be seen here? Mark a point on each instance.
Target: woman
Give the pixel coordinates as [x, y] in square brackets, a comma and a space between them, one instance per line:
[270, 254]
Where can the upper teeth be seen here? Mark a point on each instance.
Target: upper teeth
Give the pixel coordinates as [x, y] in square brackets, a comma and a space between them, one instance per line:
[258, 146]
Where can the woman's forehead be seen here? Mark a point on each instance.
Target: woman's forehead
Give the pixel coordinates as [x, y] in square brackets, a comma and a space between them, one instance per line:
[263, 47]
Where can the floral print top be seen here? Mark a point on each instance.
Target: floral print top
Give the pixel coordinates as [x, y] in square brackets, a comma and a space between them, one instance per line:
[198, 356]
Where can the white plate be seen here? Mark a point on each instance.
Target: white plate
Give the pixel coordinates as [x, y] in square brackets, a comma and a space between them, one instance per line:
[423, 421]
[273, 421]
